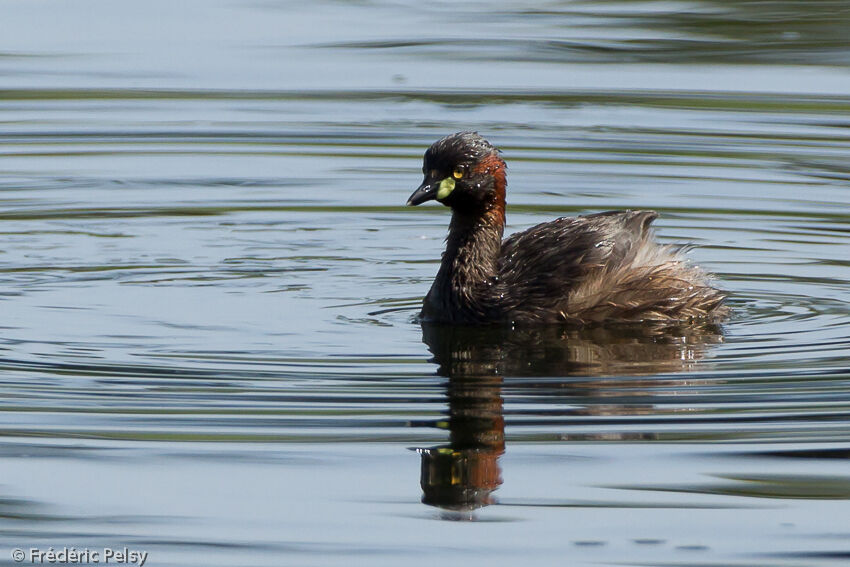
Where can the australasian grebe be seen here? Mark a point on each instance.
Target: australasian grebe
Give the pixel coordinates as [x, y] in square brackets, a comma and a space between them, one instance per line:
[598, 268]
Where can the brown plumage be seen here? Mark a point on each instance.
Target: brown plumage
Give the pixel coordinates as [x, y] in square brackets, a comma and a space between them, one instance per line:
[598, 268]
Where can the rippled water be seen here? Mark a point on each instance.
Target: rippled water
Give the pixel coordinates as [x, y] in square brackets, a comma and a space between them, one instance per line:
[209, 283]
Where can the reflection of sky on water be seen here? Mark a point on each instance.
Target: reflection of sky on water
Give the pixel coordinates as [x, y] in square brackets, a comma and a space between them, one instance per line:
[336, 45]
[208, 280]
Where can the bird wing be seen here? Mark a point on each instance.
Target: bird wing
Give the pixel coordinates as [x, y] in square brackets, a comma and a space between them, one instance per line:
[562, 250]
[582, 267]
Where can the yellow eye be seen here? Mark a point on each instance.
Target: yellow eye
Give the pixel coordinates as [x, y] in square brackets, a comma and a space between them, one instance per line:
[458, 172]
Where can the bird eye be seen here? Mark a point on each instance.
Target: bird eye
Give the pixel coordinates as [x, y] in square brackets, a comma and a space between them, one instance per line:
[458, 172]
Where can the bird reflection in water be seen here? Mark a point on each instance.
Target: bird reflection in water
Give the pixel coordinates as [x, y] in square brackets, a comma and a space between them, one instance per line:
[462, 475]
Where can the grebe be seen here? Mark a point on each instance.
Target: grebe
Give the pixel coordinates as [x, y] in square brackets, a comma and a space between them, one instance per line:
[597, 268]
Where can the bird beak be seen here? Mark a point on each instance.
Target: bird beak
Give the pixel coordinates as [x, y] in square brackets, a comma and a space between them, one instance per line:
[426, 192]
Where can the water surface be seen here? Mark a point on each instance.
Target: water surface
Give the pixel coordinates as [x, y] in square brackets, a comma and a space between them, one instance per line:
[209, 283]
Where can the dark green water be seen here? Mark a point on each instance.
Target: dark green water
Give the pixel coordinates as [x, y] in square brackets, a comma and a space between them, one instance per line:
[209, 281]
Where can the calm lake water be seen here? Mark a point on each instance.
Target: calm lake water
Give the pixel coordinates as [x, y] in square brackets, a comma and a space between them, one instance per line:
[209, 284]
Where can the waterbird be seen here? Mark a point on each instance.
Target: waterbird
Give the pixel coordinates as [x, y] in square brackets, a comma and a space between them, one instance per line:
[592, 269]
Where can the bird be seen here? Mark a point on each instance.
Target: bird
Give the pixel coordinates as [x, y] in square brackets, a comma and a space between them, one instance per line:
[592, 269]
